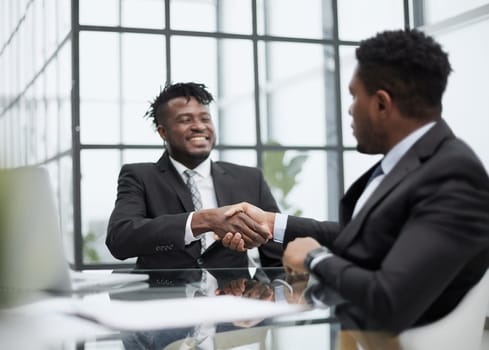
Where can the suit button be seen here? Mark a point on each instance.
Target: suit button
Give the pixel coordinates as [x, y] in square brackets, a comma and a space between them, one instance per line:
[200, 261]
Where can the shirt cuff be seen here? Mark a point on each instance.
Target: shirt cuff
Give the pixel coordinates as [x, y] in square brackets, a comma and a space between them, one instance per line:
[279, 227]
[189, 235]
[318, 259]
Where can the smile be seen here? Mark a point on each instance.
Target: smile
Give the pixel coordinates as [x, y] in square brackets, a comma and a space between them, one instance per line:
[198, 138]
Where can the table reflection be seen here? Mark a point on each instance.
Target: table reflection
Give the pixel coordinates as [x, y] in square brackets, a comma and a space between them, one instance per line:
[271, 284]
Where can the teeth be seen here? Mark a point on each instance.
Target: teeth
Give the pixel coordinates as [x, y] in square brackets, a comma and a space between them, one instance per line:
[198, 138]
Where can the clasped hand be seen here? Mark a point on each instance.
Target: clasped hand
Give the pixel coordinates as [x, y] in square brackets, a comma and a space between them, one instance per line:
[243, 226]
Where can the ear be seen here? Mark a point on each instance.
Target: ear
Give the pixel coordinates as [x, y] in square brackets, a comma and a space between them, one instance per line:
[162, 131]
[384, 102]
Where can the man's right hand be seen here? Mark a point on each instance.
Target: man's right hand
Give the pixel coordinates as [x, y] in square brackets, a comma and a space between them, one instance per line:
[251, 232]
[263, 217]
[233, 240]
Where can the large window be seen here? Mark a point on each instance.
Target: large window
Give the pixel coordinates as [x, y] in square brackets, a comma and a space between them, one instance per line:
[461, 31]
[77, 77]
[35, 95]
[270, 64]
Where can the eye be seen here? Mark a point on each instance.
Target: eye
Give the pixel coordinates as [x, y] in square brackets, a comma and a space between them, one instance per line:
[206, 118]
[184, 119]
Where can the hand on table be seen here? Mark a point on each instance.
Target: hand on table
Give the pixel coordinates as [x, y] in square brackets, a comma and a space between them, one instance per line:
[296, 252]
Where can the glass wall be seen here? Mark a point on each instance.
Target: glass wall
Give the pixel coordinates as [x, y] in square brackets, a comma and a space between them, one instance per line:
[462, 31]
[35, 95]
[270, 111]
[78, 75]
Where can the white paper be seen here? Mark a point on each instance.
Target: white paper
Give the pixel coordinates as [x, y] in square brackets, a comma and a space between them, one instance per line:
[172, 313]
[159, 314]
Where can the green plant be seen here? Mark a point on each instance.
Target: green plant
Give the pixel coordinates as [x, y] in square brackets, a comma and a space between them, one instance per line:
[281, 175]
[89, 252]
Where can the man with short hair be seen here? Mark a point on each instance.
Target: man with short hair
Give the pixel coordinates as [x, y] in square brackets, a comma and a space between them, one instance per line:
[413, 234]
[164, 210]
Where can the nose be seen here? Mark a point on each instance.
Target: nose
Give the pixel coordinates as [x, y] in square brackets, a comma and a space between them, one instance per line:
[198, 125]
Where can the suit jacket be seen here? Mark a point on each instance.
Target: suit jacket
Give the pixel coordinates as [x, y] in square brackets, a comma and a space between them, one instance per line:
[419, 243]
[152, 206]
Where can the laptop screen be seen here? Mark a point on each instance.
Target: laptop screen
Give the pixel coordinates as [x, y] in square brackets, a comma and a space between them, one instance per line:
[31, 250]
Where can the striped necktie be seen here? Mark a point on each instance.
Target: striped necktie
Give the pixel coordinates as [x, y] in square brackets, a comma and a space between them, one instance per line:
[196, 199]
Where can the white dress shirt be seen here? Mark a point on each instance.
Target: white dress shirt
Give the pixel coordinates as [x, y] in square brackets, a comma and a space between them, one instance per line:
[205, 185]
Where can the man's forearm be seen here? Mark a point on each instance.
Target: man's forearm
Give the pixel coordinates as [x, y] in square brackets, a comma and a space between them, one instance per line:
[202, 221]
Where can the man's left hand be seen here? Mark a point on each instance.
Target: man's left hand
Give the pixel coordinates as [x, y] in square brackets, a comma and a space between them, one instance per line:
[296, 252]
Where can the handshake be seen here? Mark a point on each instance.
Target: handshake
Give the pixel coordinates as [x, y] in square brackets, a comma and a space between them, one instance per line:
[239, 226]
[243, 226]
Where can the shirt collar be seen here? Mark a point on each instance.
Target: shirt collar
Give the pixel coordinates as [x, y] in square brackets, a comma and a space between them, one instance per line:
[202, 170]
[395, 154]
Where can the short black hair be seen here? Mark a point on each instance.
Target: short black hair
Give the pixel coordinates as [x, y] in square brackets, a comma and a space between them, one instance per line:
[410, 65]
[171, 91]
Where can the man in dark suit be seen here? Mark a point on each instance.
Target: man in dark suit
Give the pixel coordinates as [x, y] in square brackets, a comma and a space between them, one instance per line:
[413, 234]
[155, 218]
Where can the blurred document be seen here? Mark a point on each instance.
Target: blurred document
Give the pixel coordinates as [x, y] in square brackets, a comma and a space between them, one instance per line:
[172, 313]
[159, 314]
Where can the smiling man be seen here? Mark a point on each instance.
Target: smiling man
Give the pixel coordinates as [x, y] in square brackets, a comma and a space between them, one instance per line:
[166, 213]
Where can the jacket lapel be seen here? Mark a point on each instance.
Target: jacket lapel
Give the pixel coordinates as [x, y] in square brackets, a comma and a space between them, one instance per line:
[423, 149]
[224, 185]
[347, 203]
[174, 180]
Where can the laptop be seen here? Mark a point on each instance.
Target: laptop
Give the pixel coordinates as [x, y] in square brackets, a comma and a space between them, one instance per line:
[32, 256]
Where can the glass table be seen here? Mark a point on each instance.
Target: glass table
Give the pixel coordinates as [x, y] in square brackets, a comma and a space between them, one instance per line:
[307, 328]
[310, 328]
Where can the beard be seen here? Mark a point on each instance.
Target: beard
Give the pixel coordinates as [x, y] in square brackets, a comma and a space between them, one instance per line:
[370, 141]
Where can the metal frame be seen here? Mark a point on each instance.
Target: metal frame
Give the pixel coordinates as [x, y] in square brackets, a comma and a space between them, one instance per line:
[75, 134]
[334, 146]
[413, 17]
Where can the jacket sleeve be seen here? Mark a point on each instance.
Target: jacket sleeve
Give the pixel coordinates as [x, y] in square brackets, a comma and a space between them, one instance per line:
[325, 232]
[131, 231]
